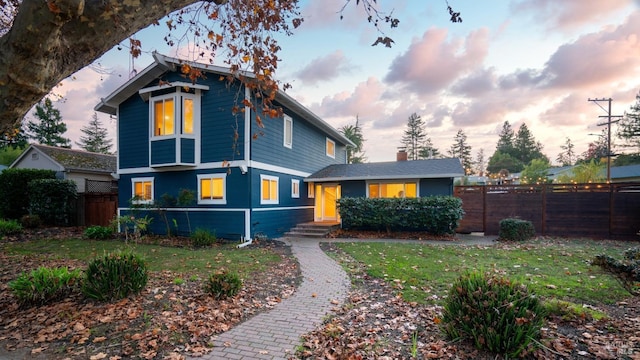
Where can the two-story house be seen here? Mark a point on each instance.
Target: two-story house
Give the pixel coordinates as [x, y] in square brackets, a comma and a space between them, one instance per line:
[174, 134]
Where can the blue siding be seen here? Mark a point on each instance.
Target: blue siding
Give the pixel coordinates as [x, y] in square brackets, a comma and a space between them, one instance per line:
[308, 152]
[276, 222]
[133, 133]
[163, 152]
[430, 187]
[284, 190]
[353, 188]
[188, 151]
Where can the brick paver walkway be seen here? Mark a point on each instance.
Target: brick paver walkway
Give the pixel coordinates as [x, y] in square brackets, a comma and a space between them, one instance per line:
[276, 333]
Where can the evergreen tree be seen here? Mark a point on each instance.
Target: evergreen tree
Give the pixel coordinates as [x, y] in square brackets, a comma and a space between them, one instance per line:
[460, 149]
[500, 161]
[506, 140]
[414, 136]
[629, 127]
[480, 163]
[568, 155]
[49, 128]
[526, 147]
[355, 155]
[95, 138]
[428, 151]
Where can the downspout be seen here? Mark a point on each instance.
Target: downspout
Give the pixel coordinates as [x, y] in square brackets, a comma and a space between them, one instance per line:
[248, 238]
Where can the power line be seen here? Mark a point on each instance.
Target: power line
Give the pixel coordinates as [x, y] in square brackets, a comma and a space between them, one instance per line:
[608, 123]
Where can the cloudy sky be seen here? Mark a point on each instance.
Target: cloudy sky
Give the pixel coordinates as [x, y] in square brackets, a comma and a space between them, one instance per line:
[522, 61]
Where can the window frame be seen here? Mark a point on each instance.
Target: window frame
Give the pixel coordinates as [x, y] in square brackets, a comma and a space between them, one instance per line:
[223, 200]
[142, 180]
[326, 148]
[270, 200]
[295, 188]
[403, 182]
[311, 190]
[287, 120]
[152, 115]
[179, 125]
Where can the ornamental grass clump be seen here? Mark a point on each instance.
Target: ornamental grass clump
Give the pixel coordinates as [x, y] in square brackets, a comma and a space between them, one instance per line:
[223, 284]
[203, 238]
[98, 232]
[9, 227]
[45, 285]
[115, 276]
[495, 313]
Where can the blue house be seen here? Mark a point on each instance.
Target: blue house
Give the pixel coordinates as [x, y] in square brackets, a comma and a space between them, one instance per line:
[174, 134]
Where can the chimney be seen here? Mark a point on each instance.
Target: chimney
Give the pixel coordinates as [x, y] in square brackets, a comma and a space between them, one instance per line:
[401, 155]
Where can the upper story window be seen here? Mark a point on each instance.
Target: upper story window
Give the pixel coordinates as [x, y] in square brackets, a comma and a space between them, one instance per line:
[331, 148]
[295, 188]
[212, 189]
[163, 117]
[174, 108]
[268, 189]
[288, 132]
[142, 190]
[393, 190]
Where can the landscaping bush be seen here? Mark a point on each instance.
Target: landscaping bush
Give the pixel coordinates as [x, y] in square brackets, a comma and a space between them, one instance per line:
[9, 227]
[627, 271]
[516, 230]
[14, 192]
[434, 214]
[497, 314]
[115, 276]
[98, 232]
[45, 285]
[203, 238]
[52, 200]
[31, 221]
[223, 284]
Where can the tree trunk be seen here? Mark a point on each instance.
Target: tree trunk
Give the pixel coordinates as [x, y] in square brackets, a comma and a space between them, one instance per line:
[50, 40]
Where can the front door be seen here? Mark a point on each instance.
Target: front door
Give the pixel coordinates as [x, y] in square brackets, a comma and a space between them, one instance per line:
[326, 208]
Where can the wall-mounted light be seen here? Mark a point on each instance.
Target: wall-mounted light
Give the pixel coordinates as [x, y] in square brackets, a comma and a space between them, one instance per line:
[243, 169]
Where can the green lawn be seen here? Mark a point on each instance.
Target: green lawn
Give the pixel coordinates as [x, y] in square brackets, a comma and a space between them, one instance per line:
[198, 262]
[553, 269]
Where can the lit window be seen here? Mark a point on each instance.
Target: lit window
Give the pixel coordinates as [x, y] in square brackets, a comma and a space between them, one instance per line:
[268, 189]
[164, 117]
[331, 148]
[187, 116]
[310, 193]
[212, 189]
[142, 190]
[393, 190]
[295, 188]
[288, 131]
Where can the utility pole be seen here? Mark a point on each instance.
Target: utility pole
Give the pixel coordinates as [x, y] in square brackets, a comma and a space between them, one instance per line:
[608, 123]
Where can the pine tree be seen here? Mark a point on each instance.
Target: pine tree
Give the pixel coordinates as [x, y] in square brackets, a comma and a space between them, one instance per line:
[629, 127]
[506, 140]
[95, 138]
[480, 162]
[355, 155]
[526, 147]
[414, 136]
[49, 128]
[428, 151]
[460, 149]
[568, 156]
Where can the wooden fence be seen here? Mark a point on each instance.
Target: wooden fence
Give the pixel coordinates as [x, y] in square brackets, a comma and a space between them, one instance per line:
[590, 210]
[97, 206]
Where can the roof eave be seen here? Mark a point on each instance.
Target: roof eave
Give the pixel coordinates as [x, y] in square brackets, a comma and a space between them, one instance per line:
[380, 177]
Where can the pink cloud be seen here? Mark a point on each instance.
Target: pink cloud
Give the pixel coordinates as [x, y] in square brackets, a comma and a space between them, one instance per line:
[477, 83]
[433, 62]
[324, 68]
[363, 101]
[565, 15]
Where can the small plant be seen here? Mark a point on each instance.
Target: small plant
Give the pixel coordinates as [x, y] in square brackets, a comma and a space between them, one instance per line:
[45, 285]
[178, 281]
[115, 276]
[9, 227]
[223, 284]
[203, 238]
[627, 271]
[569, 311]
[31, 221]
[516, 230]
[497, 314]
[98, 232]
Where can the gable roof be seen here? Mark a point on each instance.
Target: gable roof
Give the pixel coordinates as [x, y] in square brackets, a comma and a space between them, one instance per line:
[74, 160]
[413, 169]
[623, 172]
[163, 64]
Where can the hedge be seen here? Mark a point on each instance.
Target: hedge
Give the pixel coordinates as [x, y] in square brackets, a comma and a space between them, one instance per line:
[14, 193]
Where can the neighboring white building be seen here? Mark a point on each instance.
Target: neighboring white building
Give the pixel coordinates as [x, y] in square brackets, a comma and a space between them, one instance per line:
[68, 164]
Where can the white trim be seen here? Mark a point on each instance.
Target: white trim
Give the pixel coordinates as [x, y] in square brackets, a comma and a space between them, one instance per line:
[283, 208]
[278, 169]
[152, 125]
[270, 178]
[188, 209]
[311, 190]
[405, 182]
[175, 84]
[220, 165]
[247, 126]
[326, 148]
[384, 177]
[222, 201]
[142, 180]
[295, 184]
[287, 120]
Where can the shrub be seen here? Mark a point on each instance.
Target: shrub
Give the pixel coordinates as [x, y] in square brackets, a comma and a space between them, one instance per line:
[31, 221]
[45, 285]
[52, 200]
[14, 193]
[497, 314]
[627, 271]
[516, 230]
[203, 238]
[98, 232]
[9, 227]
[115, 276]
[223, 284]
